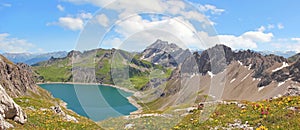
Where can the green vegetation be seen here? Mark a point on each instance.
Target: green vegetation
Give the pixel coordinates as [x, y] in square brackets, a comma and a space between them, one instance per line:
[139, 81]
[59, 71]
[40, 116]
[276, 116]
[294, 58]
[261, 115]
[140, 71]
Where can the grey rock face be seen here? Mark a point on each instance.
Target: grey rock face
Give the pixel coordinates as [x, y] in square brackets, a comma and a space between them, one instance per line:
[165, 54]
[9, 110]
[16, 79]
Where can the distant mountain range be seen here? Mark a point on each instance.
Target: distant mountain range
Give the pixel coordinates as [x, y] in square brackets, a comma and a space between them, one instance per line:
[31, 59]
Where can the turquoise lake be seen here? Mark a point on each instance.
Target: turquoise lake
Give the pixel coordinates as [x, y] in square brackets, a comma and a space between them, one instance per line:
[96, 102]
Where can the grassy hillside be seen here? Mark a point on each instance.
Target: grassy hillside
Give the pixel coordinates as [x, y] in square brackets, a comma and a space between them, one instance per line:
[40, 116]
[103, 61]
[57, 71]
[261, 115]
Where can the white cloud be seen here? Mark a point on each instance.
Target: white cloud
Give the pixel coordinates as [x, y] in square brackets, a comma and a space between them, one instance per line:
[14, 45]
[85, 16]
[258, 36]
[177, 27]
[280, 26]
[99, 3]
[127, 7]
[247, 40]
[271, 26]
[211, 8]
[60, 8]
[102, 20]
[261, 29]
[296, 39]
[286, 44]
[235, 42]
[71, 22]
[6, 5]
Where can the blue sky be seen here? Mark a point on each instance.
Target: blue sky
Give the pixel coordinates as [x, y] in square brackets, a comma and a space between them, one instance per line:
[53, 25]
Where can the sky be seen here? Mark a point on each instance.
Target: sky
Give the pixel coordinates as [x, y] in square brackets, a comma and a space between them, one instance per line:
[35, 26]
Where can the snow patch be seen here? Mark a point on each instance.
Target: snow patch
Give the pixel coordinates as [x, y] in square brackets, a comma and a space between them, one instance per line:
[281, 83]
[249, 66]
[260, 88]
[256, 79]
[193, 75]
[240, 63]
[245, 77]
[210, 74]
[232, 80]
[284, 64]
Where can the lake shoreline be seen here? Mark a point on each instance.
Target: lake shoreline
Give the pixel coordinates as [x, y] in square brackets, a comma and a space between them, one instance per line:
[130, 99]
[78, 83]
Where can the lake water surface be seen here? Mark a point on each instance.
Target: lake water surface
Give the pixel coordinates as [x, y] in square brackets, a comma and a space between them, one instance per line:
[96, 102]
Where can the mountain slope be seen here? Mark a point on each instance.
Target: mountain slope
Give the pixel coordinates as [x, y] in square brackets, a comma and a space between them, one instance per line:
[32, 107]
[225, 74]
[98, 66]
[16, 79]
[167, 75]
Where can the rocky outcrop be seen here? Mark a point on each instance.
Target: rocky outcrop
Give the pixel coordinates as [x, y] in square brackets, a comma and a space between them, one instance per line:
[165, 54]
[17, 80]
[65, 116]
[9, 110]
[291, 72]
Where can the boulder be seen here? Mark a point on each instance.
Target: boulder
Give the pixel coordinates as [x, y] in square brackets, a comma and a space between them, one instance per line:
[10, 110]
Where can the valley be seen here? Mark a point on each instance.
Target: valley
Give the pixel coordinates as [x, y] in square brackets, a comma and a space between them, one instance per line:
[169, 83]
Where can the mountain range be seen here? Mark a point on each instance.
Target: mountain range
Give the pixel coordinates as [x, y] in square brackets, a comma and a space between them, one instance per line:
[31, 59]
[166, 73]
[163, 76]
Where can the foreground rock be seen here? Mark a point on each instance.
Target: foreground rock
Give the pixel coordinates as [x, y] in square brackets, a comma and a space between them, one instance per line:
[60, 112]
[9, 110]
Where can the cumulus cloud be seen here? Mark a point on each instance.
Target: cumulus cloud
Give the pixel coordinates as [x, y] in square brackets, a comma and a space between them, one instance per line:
[211, 8]
[99, 3]
[258, 36]
[235, 42]
[175, 27]
[85, 16]
[60, 8]
[247, 40]
[14, 45]
[127, 7]
[102, 20]
[71, 22]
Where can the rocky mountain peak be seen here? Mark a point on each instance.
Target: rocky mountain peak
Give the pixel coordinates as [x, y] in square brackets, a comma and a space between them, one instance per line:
[165, 54]
[73, 53]
[164, 46]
